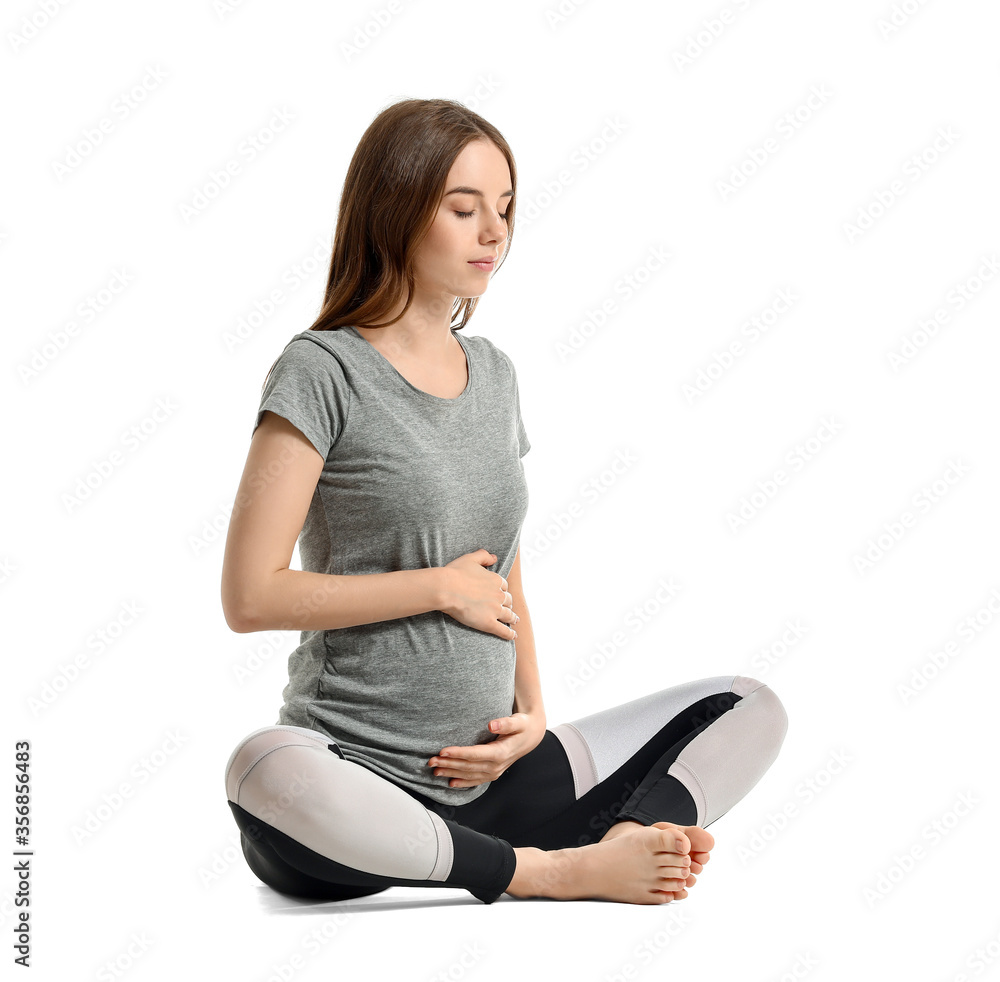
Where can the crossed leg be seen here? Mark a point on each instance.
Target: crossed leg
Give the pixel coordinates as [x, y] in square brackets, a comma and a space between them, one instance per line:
[650, 774]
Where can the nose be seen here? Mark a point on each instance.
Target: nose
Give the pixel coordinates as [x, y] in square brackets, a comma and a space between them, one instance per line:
[497, 228]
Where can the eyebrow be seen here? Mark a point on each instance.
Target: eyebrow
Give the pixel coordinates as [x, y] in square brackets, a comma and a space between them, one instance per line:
[465, 190]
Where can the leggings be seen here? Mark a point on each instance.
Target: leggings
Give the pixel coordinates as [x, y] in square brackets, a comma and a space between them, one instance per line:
[318, 826]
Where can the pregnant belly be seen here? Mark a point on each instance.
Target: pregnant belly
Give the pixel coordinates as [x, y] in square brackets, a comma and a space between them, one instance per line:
[417, 683]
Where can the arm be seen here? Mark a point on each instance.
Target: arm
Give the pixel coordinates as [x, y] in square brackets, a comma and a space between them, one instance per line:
[527, 685]
[259, 591]
[469, 766]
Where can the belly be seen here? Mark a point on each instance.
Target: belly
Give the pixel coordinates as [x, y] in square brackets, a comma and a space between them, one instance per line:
[416, 684]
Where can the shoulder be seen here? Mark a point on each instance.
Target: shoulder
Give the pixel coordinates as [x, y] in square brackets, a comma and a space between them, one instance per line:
[498, 359]
[308, 344]
[315, 353]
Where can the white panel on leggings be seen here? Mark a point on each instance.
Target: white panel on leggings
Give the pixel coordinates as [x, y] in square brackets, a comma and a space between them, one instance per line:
[723, 762]
[338, 808]
[613, 735]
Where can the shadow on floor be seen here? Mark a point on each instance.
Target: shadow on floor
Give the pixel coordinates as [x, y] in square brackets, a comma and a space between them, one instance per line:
[396, 898]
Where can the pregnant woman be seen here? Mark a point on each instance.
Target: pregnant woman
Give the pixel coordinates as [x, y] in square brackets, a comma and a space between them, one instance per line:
[412, 747]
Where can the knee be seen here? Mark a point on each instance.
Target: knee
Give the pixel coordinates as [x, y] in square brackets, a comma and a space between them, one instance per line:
[258, 762]
[765, 704]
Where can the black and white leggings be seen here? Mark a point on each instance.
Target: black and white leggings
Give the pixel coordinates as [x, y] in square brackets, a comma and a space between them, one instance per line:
[316, 825]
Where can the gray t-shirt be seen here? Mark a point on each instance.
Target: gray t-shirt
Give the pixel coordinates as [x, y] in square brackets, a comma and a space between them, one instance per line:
[411, 480]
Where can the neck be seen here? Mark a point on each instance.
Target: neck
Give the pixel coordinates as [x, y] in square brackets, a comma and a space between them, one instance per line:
[423, 333]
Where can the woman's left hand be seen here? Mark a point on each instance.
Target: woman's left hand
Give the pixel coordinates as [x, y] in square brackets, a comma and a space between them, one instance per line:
[483, 762]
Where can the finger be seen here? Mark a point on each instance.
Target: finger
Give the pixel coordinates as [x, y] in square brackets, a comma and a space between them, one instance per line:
[463, 768]
[515, 723]
[482, 751]
[471, 781]
[474, 776]
[468, 768]
[449, 755]
[477, 777]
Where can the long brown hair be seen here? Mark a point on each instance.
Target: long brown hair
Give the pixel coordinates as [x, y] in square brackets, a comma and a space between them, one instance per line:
[392, 191]
[391, 194]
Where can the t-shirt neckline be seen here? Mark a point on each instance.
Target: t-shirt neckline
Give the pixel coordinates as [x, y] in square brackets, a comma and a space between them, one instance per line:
[429, 397]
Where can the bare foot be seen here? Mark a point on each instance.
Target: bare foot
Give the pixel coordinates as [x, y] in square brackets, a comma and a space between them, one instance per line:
[702, 841]
[650, 865]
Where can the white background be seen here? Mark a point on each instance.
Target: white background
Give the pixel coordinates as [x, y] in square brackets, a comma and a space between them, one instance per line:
[873, 205]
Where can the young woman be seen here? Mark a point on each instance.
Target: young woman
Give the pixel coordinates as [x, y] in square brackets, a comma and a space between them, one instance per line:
[412, 748]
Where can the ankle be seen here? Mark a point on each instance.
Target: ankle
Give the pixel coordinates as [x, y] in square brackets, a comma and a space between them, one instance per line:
[537, 872]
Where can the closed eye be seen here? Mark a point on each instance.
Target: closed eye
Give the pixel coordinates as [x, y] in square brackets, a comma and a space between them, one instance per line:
[469, 214]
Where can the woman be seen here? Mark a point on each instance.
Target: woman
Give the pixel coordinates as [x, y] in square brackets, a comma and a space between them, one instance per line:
[389, 445]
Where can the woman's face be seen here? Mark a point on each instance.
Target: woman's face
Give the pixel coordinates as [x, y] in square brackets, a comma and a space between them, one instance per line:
[469, 225]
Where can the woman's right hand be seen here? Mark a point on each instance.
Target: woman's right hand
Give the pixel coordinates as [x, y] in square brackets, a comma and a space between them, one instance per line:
[478, 597]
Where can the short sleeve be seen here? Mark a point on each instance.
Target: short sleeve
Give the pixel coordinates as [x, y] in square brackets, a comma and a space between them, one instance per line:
[524, 444]
[307, 387]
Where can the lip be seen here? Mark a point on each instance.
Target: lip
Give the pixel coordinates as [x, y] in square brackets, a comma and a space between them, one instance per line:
[484, 264]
